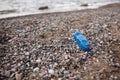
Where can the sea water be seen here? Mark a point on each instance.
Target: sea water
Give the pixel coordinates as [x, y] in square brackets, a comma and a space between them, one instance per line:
[10, 8]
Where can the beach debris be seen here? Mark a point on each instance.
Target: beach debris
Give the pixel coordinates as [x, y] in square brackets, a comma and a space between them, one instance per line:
[81, 41]
[85, 4]
[43, 7]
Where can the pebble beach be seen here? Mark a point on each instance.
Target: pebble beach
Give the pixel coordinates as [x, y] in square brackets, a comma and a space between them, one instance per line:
[41, 46]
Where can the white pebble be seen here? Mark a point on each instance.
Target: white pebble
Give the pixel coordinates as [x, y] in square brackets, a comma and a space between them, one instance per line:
[15, 54]
[39, 46]
[69, 38]
[101, 42]
[59, 78]
[19, 64]
[55, 64]
[28, 64]
[38, 60]
[104, 26]
[36, 69]
[51, 71]
[66, 72]
[66, 56]
[63, 68]
[27, 53]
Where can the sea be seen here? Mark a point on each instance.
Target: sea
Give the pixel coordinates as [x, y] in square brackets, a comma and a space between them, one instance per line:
[13, 8]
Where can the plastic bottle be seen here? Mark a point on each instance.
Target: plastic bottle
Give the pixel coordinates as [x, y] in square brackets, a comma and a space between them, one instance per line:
[81, 40]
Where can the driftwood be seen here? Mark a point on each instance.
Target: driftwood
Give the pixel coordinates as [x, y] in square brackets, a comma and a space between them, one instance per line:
[84, 4]
[43, 7]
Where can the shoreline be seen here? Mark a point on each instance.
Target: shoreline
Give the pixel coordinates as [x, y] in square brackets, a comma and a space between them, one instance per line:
[26, 14]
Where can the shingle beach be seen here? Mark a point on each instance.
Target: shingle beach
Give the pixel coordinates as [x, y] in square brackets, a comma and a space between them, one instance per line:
[41, 46]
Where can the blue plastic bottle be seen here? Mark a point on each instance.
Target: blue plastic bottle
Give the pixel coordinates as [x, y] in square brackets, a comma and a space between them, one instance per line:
[81, 40]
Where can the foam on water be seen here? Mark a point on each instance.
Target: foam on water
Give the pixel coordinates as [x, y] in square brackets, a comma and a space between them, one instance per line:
[10, 8]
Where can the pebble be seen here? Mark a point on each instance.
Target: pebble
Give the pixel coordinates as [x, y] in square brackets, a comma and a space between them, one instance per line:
[27, 53]
[66, 57]
[18, 76]
[59, 78]
[39, 46]
[15, 54]
[13, 69]
[65, 72]
[63, 68]
[19, 64]
[51, 71]
[12, 75]
[105, 26]
[27, 64]
[36, 69]
[101, 42]
[7, 73]
[57, 54]
[111, 51]
[42, 74]
[55, 64]
[38, 60]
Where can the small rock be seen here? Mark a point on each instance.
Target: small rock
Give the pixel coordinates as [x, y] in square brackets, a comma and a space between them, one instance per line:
[12, 75]
[84, 4]
[7, 73]
[101, 42]
[19, 64]
[59, 78]
[65, 72]
[38, 60]
[43, 7]
[105, 26]
[36, 69]
[69, 38]
[27, 53]
[2, 51]
[55, 64]
[15, 54]
[39, 46]
[27, 64]
[63, 68]
[13, 69]
[51, 71]
[111, 51]
[2, 54]
[18, 76]
[42, 74]
[109, 33]
[66, 56]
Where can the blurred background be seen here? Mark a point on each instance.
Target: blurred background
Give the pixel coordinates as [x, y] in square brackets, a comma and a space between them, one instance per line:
[25, 7]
